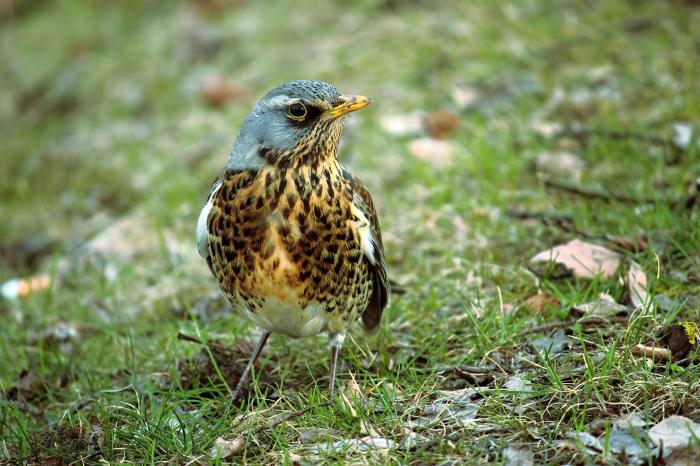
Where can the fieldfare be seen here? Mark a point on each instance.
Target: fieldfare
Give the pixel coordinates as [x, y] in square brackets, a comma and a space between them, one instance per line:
[290, 234]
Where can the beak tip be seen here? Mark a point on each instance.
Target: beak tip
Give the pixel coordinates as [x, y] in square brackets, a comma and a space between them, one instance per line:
[349, 104]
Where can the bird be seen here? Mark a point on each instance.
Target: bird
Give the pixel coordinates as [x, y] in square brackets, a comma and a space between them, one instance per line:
[291, 235]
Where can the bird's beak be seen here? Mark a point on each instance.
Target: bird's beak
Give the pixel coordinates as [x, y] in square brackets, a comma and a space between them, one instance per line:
[346, 104]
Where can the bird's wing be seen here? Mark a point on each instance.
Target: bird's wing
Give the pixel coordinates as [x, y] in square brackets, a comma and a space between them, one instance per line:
[202, 229]
[373, 250]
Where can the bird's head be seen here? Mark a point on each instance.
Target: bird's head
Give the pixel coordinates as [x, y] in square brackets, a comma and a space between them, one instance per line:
[296, 123]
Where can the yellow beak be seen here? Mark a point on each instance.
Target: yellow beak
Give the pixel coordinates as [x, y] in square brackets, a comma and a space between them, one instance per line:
[348, 103]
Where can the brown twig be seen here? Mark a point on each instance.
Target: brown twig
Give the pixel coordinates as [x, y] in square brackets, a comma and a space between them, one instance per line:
[468, 369]
[593, 194]
[566, 224]
[653, 352]
[583, 133]
[545, 217]
[191, 339]
[27, 408]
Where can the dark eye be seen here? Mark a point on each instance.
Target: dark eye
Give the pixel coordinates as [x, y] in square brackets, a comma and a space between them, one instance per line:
[297, 111]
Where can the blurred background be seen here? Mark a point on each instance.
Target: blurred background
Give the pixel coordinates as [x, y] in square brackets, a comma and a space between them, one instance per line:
[116, 116]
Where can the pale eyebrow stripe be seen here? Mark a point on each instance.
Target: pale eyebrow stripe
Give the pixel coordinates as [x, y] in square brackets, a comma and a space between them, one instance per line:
[282, 101]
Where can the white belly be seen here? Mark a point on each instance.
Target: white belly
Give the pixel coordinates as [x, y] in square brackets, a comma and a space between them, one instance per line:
[288, 319]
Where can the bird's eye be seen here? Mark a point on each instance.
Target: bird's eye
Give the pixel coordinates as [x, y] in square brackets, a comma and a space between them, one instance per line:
[297, 111]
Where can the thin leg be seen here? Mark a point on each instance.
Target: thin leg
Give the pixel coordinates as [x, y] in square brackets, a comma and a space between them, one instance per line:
[335, 340]
[334, 362]
[243, 381]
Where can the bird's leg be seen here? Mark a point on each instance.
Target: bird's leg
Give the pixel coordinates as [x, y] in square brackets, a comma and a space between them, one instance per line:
[243, 381]
[336, 342]
[334, 362]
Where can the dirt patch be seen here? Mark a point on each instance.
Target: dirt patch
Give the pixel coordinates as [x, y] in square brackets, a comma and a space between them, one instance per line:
[65, 445]
[204, 371]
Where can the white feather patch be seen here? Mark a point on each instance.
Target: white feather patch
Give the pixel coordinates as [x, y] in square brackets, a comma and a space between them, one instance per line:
[202, 232]
[280, 101]
[287, 318]
[367, 242]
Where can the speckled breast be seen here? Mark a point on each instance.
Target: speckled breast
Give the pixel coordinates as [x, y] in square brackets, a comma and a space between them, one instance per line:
[285, 248]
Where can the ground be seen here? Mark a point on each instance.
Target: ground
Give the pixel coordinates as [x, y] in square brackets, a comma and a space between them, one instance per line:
[499, 130]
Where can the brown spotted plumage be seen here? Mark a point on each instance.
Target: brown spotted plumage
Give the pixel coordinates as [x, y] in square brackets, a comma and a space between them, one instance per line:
[291, 235]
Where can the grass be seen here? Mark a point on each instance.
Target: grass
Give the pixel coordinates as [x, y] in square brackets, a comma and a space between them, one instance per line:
[109, 148]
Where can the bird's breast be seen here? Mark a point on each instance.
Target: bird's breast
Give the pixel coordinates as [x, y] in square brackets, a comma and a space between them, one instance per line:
[287, 243]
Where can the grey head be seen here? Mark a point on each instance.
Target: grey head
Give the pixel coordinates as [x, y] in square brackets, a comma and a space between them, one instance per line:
[288, 119]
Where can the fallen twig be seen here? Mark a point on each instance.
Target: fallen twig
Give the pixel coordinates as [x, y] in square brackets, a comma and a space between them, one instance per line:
[583, 133]
[191, 339]
[565, 223]
[24, 407]
[653, 352]
[593, 194]
[545, 217]
[468, 369]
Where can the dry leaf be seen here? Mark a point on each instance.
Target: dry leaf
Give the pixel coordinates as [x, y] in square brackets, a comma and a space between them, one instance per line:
[561, 164]
[541, 302]
[453, 407]
[604, 306]
[401, 125]
[367, 429]
[637, 285]
[218, 91]
[29, 387]
[683, 135]
[352, 392]
[627, 440]
[585, 439]
[465, 97]
[629, 421]
[516, 383]
[583, 259]
[226, 448]
[633, 244]
[518, 456]
[440, 124]
[676, 435]
[632, 442]
[314, 434]
[437, 153]
[546, 128]
[554, 344]
[360, 445]
[680, 339]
